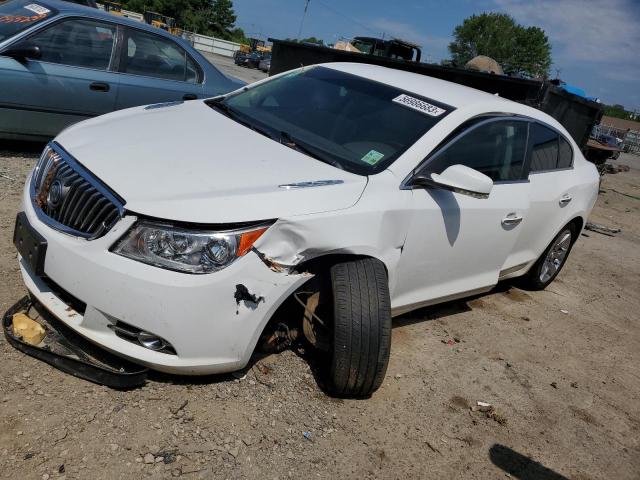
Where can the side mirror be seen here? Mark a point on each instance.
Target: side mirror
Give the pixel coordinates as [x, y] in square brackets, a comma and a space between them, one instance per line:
[23, 51]
[457, 178]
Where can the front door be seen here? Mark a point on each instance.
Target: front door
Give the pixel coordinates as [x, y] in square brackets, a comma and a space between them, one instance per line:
[69, 83]
[457, 244]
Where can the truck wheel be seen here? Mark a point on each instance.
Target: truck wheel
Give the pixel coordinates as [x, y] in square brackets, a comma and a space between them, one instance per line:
[548, 266]
[361, 327]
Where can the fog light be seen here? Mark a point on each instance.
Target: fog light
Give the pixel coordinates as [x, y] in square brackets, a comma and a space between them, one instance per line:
[140, 337]
[150, 341]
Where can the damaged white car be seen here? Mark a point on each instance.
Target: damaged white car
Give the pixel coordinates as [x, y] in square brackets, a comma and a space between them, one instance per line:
[171, 235]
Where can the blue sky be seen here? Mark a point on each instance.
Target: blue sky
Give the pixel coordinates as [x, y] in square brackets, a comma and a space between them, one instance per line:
[595, 44]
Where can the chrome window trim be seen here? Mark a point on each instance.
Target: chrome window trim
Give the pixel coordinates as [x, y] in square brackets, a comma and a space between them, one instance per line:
[511, 182]
[85, 174]
[553, 170]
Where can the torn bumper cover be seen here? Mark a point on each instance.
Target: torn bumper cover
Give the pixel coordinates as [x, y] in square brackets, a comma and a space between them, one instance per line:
[165, 320]
[67, 351]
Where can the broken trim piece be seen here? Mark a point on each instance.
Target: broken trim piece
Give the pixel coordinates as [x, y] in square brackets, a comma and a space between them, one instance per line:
[111, 371]
[276, 267]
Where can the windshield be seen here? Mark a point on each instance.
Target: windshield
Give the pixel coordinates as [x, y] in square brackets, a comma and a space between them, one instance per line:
[16, 16]
[351, 122]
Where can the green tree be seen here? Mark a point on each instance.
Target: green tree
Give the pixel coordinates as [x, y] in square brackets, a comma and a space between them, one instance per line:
[518, 49]
[237, 35]
[617, 111]
[317, 41]
[222, 18]
[209, 17]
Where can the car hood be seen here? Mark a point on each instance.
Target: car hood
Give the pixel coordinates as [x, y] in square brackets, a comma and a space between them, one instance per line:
[187, 162]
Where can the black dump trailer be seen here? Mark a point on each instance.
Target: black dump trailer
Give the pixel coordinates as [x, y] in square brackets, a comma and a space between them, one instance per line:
[577, 114]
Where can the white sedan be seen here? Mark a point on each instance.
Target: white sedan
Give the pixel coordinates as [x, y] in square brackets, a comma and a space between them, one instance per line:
[181, 234]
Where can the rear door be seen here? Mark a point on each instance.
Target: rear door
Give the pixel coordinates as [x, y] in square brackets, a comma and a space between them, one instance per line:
[72, 80]
[458, 244]
[156, 69]
[552, 190]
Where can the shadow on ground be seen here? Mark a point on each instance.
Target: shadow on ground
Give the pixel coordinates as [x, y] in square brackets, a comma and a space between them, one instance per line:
[520, 466]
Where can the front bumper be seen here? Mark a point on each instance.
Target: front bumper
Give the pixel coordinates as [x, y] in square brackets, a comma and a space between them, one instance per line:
[197, 314]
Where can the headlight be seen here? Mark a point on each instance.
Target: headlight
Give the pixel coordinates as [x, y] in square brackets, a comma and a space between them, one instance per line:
[184, 250]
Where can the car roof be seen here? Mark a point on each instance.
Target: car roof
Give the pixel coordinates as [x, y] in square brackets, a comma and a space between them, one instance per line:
[69, 8]
[450, 93]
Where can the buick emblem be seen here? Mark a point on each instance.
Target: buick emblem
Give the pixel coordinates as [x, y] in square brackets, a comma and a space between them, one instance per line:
[54, 198]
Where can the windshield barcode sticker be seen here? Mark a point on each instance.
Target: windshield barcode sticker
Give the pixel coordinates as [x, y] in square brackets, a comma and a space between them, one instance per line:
[40, 10]
[419, 105]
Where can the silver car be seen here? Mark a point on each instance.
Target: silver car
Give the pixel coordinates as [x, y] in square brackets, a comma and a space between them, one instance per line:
[61, 63]
[265, 64]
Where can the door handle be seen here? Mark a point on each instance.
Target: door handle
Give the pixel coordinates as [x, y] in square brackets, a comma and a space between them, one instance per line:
[511, 220]
[189, 96]
[99, 87]
[565, 199]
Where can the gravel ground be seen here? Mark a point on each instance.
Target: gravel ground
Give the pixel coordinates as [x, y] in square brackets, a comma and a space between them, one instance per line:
[560, 367]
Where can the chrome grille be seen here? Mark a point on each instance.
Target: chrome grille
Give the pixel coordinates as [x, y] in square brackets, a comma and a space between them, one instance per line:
[68, 198]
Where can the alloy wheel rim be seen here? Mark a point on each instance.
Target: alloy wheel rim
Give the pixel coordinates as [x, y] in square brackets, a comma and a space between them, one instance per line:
[555, 257]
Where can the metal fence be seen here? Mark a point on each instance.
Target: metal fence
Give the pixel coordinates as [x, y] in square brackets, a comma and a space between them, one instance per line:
[630, 138]
[133, 15]
[211, 44]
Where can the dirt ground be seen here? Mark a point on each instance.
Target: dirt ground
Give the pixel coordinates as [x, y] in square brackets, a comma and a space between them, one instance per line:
[560, 367]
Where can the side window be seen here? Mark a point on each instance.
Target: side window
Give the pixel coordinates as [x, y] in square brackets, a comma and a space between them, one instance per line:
[496, 149]
[77, 43]
[565, 157]
[544, 148]
[154, 56]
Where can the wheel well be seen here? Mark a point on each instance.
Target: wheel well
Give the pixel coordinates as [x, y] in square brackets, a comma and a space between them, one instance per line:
[322, 264]
[290, 312]
[576, 224]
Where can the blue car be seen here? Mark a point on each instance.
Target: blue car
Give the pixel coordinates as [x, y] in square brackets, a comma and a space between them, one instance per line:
[61, 63]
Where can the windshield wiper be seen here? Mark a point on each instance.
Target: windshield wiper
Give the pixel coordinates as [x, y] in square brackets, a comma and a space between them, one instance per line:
[287, 140]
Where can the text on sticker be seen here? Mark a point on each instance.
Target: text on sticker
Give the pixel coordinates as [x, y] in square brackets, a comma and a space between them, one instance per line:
[39, 9]
[419, 105]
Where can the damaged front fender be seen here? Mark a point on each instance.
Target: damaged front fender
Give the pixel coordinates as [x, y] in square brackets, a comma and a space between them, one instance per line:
[376, 227]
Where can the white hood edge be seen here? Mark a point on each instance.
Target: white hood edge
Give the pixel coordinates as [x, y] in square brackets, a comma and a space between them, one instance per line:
[187, 162]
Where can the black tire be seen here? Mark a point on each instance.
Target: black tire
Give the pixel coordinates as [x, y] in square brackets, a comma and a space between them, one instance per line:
[532, 280]
[361, 327]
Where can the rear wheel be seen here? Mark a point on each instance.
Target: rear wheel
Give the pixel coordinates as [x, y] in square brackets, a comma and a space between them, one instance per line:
[548, 266]
[361, 327]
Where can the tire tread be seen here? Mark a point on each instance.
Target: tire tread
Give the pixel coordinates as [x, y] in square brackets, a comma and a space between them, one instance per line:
[362, 327]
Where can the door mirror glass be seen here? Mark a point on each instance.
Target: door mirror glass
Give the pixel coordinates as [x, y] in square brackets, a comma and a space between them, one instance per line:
[459, 179]
[23, 51]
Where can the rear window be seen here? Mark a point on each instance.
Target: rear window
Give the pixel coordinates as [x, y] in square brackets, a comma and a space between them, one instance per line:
[565, 158]
[549, 150]
[544, 148]
[154, 56]
[16, 16]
